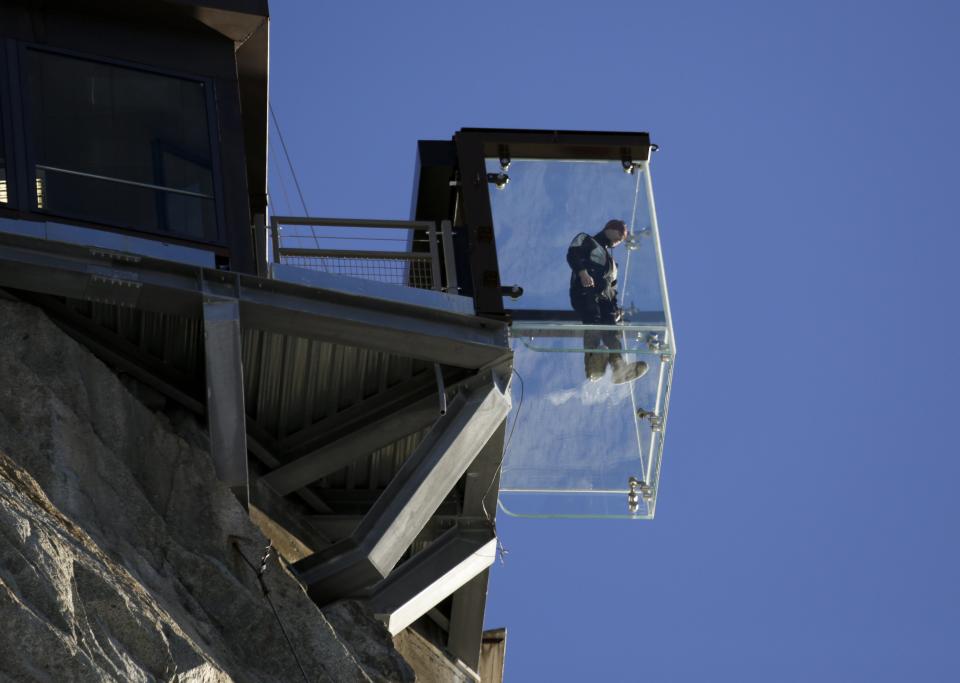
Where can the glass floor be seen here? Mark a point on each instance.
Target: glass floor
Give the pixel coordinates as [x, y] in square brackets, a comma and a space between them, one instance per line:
[583, 440]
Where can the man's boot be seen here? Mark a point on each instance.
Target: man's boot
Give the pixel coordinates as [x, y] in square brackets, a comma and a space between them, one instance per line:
[624, 372]
[594, 365]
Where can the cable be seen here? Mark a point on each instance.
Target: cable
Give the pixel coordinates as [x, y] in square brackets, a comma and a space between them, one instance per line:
[501, 550]
[283, 144]
[283, 185]
[517, 418]
[266, 593]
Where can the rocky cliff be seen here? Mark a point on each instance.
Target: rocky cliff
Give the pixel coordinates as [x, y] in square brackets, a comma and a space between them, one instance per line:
[123, 558]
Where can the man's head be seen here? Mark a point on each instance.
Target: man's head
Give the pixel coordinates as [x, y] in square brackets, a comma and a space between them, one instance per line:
[615, 231]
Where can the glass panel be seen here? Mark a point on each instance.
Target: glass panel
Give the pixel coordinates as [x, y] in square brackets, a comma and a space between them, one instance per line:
[546, 205]
[121, 146]
[576, 443]
[575, 337]
[587, 438]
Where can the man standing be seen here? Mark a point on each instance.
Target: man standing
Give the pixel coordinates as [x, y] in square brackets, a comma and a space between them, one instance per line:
[593, 294]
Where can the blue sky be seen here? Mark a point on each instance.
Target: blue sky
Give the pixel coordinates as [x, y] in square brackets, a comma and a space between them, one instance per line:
[807, 191]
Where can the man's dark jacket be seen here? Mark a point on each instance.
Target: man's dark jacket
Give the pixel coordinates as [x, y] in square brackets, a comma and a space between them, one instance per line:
[597, 304]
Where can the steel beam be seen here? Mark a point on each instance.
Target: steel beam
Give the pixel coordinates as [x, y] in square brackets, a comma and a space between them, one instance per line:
[339, 526]
[423, 333]
[429, 577]
[465, 633]
[226, 416]
[359, 415]
[404, 509]
[466, 620]
[337, 455]
[405, 329]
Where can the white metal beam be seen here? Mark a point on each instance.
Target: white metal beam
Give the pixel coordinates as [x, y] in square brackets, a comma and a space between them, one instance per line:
[429, 577]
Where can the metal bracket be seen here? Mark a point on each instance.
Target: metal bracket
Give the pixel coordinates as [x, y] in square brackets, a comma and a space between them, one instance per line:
[656, 421]
[504, 155]
[655, 342]
[113, 255]
[107, 285]
[638, 489]
[500, 180]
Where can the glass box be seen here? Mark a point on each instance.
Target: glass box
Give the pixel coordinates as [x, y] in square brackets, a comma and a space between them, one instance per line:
[583, 440]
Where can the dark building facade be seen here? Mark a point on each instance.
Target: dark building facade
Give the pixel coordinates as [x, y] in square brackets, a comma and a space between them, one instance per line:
[126, 117]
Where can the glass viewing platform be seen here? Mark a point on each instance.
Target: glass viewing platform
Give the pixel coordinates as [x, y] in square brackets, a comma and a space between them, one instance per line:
[581, 446]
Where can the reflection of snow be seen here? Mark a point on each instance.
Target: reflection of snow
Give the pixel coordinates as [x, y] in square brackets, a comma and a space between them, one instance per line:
[590, 393]
[573, 433]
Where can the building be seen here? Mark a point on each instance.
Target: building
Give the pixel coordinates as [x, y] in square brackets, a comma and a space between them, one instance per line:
[357, 399]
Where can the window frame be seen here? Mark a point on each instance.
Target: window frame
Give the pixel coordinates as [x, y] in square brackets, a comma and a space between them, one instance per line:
[30, 158]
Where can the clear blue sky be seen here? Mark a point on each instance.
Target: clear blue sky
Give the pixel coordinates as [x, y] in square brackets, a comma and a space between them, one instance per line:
[808, 194]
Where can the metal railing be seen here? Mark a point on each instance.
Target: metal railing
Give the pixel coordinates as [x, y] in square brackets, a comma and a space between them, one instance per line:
[371, 251]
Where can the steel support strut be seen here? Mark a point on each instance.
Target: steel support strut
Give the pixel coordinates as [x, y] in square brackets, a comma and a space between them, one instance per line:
[432, 575]
[352, 565]
[226, 415]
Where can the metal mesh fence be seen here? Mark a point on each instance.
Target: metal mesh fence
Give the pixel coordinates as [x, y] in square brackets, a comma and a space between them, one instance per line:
[392, 252]
[408, 272]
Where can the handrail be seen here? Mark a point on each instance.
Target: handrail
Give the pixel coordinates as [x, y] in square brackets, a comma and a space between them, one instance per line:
[121, 181]
[439, 241]
[354, 253]
[350, 222]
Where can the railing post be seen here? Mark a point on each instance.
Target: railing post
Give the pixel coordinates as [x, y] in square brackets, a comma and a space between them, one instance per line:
[434, 257]
[260, 243]
[275, 237]
[449, 258]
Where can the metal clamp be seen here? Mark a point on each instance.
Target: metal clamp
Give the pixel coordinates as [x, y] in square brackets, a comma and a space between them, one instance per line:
[638, 489]
[500, 180]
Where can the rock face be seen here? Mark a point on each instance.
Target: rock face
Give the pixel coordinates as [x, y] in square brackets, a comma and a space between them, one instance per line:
[121, 555]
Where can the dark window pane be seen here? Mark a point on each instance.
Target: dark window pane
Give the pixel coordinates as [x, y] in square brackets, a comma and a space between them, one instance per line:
[105, 201]
[142, 135]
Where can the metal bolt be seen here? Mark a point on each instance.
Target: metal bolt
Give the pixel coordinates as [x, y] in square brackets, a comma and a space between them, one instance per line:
[633, 499]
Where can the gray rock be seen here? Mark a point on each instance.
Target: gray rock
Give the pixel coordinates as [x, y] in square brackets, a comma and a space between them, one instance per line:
[122, 557]
[368, 639]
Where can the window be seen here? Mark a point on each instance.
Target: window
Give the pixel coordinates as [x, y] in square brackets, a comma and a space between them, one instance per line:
[120, 146]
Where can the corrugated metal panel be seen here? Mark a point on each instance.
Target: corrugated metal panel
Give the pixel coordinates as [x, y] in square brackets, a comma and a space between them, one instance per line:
[290, 382]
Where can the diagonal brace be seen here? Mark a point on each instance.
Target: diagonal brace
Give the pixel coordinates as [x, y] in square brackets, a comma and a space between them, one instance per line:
[405, 507]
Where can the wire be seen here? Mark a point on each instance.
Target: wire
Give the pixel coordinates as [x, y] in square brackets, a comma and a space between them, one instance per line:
[266, 593]
[293, 173]
[501, 550]
[286, 153]
[283, 185]
[515, 419]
